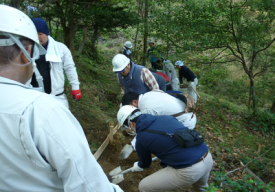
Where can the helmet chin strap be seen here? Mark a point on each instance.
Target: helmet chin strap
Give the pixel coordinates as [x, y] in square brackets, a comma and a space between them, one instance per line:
[14, 39]
[131, 117]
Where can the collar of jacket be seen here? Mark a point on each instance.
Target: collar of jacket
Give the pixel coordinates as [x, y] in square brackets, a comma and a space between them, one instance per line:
[52, 54]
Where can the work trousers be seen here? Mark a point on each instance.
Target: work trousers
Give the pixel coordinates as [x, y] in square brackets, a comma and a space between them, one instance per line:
[190, 91]
[169, 179]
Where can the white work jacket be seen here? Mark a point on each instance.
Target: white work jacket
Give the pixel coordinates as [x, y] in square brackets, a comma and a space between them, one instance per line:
[157, 103]
[61, 61]
[170, 71]
[42, 146]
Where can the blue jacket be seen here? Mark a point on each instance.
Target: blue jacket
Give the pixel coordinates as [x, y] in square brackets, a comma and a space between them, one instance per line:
[164, 147]
[133, 82]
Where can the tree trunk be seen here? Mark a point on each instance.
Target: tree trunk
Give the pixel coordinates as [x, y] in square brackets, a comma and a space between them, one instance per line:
[83, 40]
[252, 94]
[272, 109]
[139, 12]
[145, 34]
[71, 30]
[168, 15]
[50, 26]
[93, 48]
[56, 31]
[16, 3]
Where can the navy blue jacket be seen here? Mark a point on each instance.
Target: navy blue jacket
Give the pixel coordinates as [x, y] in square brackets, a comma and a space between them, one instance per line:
[186, 73]
[164, 147]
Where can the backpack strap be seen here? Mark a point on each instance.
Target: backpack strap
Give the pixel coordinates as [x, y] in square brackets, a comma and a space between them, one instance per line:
[159, 132]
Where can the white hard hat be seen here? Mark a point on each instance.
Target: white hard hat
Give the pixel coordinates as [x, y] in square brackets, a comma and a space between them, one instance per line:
[124, 112]
[128, 44]
[16, 22]
[179, 63]
[151, 42]
[119, 62]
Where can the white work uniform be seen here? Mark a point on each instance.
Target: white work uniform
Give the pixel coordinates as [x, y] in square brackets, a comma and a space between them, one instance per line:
[157, 102]
[42, 146]
[170, 71]
[61, 61]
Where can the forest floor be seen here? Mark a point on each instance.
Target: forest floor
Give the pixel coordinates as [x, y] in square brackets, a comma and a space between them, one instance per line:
[227, 129]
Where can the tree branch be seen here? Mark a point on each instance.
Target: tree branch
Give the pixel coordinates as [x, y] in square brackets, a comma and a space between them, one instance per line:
[248, 162]
[47, 2]
[269, 44]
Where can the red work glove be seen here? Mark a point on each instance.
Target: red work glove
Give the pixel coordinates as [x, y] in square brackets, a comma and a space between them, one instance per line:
[76, 94]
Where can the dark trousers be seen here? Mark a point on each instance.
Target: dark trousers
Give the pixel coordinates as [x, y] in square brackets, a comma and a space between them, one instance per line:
[169, 87]
[156, 66]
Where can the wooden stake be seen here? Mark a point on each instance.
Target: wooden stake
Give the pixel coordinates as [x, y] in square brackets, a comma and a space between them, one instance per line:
[196, 92]
[106, 141]
[111, 135]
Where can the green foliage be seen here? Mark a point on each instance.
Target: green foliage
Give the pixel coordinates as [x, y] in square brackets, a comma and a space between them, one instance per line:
[247, 184]
[263, 121]
[222, 32]
[212, 77]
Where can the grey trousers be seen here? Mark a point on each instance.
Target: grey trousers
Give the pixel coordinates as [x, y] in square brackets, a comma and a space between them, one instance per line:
[169, 179]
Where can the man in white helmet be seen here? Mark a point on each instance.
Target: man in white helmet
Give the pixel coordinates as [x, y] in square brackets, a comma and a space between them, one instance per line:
[42, 145]
[185, 72]
[52, 66]
[182, 166]
[126, 49]
[132, 77]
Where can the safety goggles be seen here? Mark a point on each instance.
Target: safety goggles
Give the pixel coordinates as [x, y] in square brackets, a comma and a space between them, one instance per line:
[121, 71]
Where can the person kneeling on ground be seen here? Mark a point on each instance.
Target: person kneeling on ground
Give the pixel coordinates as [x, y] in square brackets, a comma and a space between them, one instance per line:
[181, 166]
[185, 72]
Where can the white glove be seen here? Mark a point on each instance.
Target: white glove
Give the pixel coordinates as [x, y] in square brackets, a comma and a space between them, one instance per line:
[116, 188]
[136, 168]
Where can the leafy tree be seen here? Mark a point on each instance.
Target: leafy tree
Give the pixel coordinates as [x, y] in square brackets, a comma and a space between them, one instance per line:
[94, 16]
[237, 31]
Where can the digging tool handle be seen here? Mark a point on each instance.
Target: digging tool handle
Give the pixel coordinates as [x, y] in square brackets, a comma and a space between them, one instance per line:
[196, 92]
[126, 171]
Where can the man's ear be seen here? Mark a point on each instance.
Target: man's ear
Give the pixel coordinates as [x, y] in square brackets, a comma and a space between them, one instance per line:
[24, 59]
[135, 102]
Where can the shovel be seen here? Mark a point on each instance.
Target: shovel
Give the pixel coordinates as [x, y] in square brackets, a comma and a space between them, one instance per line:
[116, 175]
[126, 152]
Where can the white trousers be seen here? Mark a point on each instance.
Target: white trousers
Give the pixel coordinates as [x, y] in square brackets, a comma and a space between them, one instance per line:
[190, 91]
[169, 179]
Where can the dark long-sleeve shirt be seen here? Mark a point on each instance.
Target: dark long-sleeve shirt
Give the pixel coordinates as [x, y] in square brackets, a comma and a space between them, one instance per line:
[164, 147]
[186, 73]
